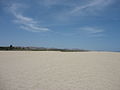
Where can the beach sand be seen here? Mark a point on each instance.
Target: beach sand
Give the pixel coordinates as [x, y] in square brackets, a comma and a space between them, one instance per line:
[49, 70]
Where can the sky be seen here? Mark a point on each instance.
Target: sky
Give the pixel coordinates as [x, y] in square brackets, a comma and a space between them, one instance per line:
[74, 24]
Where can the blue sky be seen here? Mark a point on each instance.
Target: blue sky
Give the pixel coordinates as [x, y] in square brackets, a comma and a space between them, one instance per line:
[84, 24]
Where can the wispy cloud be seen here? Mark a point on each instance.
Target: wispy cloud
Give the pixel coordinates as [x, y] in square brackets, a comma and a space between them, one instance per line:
[25, 23]
[79, 8]
[91, 6]
[50, 2]
[93, 31]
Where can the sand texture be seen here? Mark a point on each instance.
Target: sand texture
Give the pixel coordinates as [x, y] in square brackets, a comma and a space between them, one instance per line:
[35, 70]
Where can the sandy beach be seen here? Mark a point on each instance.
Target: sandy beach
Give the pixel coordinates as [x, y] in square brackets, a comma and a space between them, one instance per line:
[49, 70]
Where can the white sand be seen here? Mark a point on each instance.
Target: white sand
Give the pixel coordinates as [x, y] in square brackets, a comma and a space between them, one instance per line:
[30, 70]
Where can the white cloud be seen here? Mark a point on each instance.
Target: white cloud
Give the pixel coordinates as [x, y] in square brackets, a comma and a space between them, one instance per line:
[26, 23]
[93, 31]
[92, 6]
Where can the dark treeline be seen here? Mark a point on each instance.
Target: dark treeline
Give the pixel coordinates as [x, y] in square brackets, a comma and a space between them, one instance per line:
[14, 48]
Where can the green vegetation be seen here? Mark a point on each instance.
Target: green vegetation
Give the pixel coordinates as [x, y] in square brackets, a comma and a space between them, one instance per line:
[11, 48]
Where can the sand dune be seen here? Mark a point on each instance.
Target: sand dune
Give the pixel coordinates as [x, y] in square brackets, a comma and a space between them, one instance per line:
[35, 70]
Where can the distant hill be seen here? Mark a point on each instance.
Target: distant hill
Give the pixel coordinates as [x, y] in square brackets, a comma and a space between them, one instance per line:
[16, 48]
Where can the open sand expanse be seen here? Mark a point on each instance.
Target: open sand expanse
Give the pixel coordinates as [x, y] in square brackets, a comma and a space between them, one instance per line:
[42, 70]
